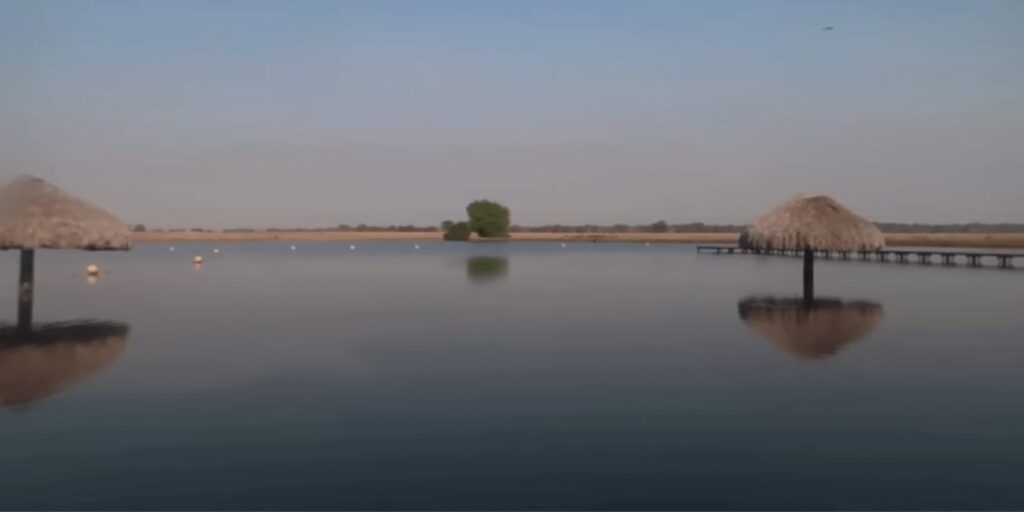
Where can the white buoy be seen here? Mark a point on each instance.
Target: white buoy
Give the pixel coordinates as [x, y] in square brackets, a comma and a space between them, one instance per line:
[563, 246]
[216, 251]
[293, 247]
[197, 260]
[92, 270]
[351, 247]
[171, 249]
[417, 246]
[648, 244]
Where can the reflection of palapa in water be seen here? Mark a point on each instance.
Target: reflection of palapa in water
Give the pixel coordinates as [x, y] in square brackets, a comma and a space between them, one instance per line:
[53, 357]
[810, 331]
[482, 269]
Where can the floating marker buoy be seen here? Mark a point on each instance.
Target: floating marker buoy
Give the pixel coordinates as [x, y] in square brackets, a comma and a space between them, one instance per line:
[216, 251]
[172, 248]
[417, 246]
[648, 244]
[351, 247]
[92, 270]
[293, 247]
[197, 260]
[563, 246]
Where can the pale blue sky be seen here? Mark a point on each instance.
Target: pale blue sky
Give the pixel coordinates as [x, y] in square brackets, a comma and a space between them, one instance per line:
[288, 113]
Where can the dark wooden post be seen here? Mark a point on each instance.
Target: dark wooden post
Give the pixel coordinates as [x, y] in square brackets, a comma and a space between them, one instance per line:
[25, 290]
[808, 276]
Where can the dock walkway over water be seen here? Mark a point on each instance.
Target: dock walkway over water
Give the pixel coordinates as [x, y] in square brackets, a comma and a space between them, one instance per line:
[924, 257]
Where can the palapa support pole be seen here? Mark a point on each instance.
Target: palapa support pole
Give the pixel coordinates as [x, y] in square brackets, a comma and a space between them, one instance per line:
[25, 283]
[808, 276]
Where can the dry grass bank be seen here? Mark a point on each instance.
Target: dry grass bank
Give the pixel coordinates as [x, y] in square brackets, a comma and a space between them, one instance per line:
[1002, 240]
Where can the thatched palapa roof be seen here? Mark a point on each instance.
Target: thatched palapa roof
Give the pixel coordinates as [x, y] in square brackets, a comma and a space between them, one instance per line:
[810, 331]
[818, 223]
[37, 215]
[53, 357]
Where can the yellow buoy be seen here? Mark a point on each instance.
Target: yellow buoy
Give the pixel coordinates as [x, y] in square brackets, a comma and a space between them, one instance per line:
[92, 270]
[197, 260]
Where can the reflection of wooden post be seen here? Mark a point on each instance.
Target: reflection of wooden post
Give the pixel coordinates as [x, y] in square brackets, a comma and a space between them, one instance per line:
[25, 290]
[808, 276]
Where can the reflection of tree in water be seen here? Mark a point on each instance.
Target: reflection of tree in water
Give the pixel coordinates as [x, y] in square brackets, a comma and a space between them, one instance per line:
[482, 269]
[50, 358]
[810, 330]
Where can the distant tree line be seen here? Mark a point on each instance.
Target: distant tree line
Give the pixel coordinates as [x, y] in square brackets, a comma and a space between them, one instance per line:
[972, 227]
[700, 227]
[409, 228]
[655, 227]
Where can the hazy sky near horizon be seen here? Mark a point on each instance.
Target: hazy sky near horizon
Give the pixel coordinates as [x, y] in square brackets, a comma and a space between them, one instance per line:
[315, 113]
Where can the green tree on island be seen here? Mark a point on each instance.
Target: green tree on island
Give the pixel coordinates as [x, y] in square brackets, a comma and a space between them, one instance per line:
[488, 219]
[457, 232]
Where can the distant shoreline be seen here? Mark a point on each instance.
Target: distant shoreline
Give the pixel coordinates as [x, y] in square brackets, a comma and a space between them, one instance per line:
[1002, 240]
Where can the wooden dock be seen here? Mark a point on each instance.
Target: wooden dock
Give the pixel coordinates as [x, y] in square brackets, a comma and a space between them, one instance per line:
[923, 257]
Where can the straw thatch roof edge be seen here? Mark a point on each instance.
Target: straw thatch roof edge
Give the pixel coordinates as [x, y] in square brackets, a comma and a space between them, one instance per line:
[817, 223]
[34, 214]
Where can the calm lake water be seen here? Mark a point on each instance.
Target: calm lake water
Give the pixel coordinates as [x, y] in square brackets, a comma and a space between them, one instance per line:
[521, 375]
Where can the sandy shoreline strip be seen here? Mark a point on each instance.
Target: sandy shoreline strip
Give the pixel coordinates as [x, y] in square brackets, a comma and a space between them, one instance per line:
[1002, 240]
